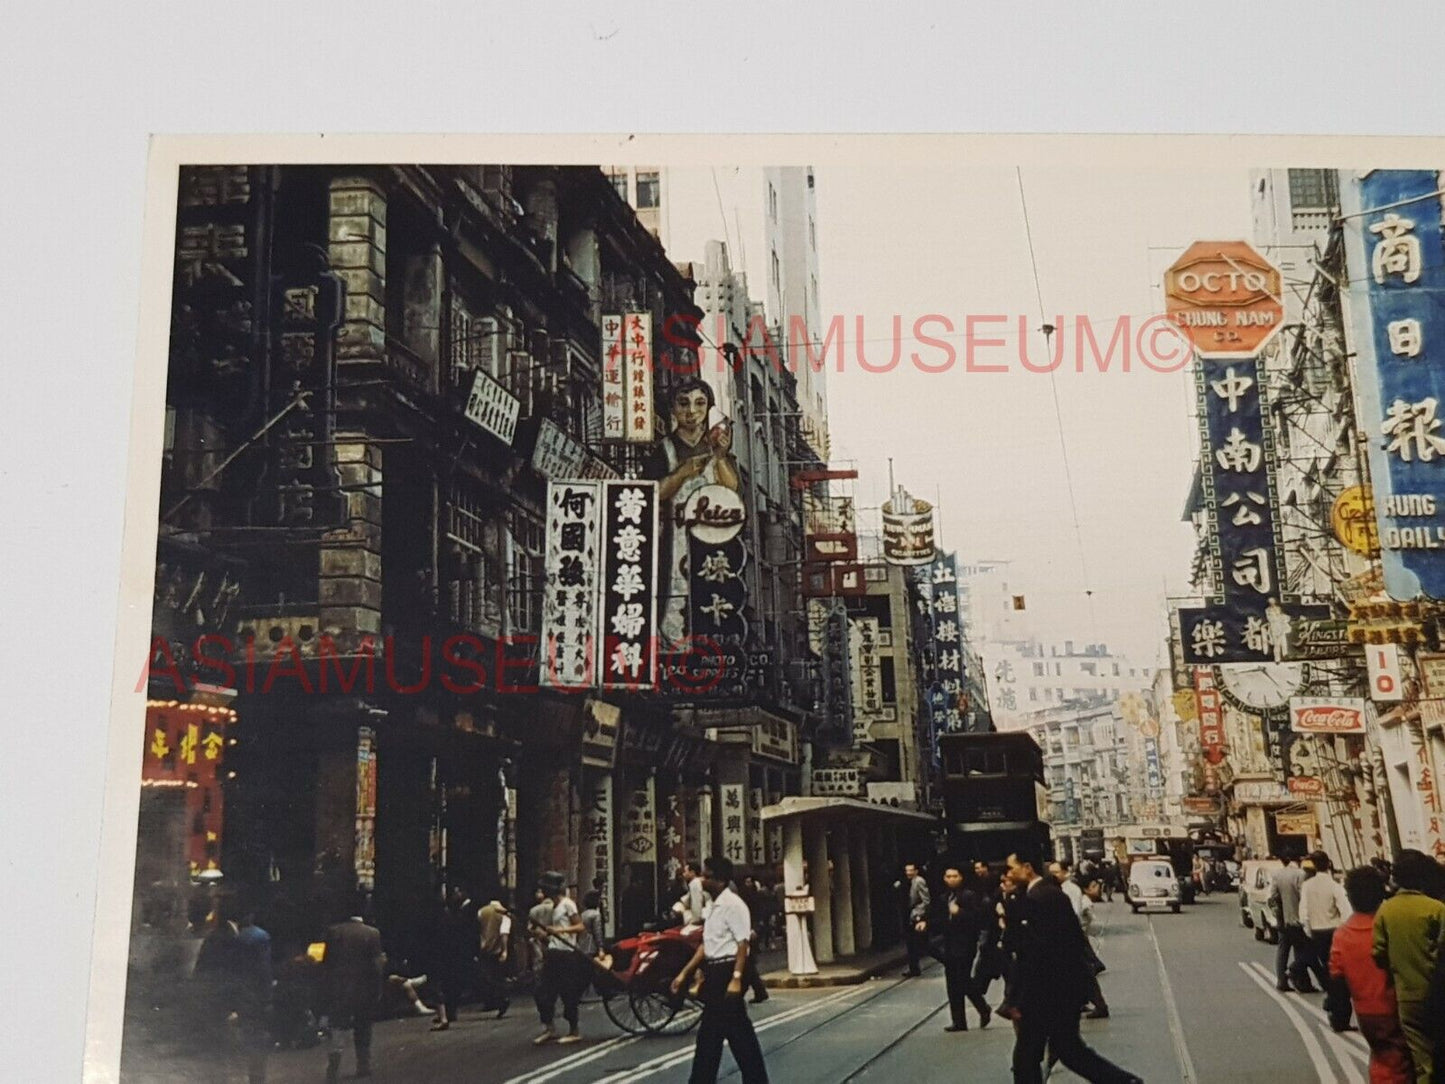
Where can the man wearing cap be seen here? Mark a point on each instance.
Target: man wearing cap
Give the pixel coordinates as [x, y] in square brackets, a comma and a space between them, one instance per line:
[723, 957]
[562, 974]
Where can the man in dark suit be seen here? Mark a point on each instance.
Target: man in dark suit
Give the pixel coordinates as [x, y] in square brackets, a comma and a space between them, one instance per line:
[353, 969]
[1051, 981]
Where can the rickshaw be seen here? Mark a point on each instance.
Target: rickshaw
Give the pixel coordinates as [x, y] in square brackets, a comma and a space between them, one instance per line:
[634, 981]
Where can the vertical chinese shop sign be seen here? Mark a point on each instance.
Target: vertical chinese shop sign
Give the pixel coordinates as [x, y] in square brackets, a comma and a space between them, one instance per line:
[628, 658]
[573, 563]
[1397, 307]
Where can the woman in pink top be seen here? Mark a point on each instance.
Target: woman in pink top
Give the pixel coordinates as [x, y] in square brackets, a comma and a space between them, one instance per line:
[1352, 960]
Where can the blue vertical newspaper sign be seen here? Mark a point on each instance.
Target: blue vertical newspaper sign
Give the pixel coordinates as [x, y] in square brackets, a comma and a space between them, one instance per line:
[1396, 264]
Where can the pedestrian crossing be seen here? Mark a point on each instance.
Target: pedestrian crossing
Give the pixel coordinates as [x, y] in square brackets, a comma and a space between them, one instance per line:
[1336, 1058]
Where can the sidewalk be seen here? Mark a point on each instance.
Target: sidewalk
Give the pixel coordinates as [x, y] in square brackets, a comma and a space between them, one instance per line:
[843, 972]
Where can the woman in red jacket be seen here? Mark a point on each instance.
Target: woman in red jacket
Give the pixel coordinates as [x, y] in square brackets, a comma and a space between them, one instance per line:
[1351, 960]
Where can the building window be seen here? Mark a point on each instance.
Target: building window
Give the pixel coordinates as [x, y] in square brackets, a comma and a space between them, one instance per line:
[776, 271]
[472, 581]
[649, 190]
[887, 680]
[1033, 694]
[619, 182]
[1116, 669]
[1038, 669]
[526, 576]
[772, 202]
[1313, 190]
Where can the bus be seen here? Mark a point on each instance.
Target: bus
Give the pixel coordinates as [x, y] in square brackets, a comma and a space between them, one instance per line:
[994, 798]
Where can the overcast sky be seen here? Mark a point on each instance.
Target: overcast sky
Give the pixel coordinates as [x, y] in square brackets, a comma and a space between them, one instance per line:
[952, 241]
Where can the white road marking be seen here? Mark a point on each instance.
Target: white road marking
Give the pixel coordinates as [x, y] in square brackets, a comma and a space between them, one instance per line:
[578, 1058]
[1343, 1053]
[1322, 1064]
[1176, 1025]
[678, 1057]
[1353, 1038]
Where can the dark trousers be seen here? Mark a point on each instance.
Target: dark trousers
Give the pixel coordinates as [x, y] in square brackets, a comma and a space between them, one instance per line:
[958, 980]
[725, 1018]
[1337, 991]
[1294, 941]
[752, 979]
[1056, 1027]
[917, 944]
[358, 1020]
[493, 975]
[561, 977]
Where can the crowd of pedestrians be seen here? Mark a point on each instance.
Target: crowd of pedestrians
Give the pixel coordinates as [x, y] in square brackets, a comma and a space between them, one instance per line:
[1375, 944]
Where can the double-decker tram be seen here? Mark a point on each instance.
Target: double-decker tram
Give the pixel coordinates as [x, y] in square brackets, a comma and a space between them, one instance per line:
[994, 798]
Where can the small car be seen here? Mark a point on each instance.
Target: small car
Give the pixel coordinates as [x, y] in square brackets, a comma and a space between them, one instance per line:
[1153, 883]
[1255, 913]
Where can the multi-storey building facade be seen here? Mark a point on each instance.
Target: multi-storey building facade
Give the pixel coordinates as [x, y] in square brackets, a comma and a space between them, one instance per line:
[375, 374]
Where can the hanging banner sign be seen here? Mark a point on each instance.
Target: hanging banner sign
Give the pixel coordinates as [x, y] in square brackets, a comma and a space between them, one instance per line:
[867, 675]
[493, 408]
[1352, 518]
[1327, 715]
[628, 658]
[557, 455]
[570, 602]
[907, 530]
[1392, 224]
[627, 398]
[1382, 666]
[365, 857]
[1251, 618]
[637, 378]
[757, 850]
[1211, 714]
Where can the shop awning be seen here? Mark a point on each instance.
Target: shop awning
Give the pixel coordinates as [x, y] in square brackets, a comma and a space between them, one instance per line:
[837, 810]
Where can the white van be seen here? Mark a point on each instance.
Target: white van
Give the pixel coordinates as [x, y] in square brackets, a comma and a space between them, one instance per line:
[1153, 883]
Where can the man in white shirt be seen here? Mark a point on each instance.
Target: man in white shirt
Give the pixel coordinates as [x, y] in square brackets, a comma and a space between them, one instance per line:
[562, 966]
[1323, 906]
[723, 957]
[697, 898]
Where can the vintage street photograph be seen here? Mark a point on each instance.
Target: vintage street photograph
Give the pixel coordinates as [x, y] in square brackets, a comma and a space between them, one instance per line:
[637, 608]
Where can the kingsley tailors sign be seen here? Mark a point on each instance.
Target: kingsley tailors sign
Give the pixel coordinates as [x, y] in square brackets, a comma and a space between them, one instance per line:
[1327, 715]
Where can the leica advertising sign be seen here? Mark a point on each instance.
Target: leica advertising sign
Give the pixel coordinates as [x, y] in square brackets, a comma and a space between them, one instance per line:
[1327, 715]
[1225, 298]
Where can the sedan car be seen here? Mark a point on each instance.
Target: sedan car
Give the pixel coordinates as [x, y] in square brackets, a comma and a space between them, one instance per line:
[1153, 883]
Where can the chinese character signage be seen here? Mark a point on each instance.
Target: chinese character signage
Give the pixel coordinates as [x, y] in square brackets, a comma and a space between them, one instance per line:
[184, 744]
[629, 586]
[837, 782]
[556, 454]
[303, 361]
[627, 400]
[1397, 290]
[757, 850]
[639, 829]
[492, 407]
[365, 859]
[1211, 714]
[573, 563]
[867, 675]
[595, 858]
[734, 822]
[1250, 619]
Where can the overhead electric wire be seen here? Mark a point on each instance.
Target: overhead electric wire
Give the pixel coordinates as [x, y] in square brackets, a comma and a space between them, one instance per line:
[1058, 411]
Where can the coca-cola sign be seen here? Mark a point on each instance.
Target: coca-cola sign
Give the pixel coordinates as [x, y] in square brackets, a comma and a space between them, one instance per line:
[1306, 786]
[1327, 715]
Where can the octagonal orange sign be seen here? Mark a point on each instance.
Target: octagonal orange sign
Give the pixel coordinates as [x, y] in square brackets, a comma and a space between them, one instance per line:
[1225, 298]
